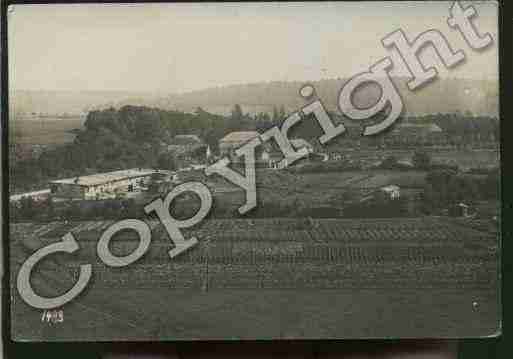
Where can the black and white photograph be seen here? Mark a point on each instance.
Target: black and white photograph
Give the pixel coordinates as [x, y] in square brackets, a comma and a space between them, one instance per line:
[253, 171]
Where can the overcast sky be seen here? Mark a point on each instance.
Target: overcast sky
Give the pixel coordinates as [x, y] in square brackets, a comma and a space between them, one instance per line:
[183, 47]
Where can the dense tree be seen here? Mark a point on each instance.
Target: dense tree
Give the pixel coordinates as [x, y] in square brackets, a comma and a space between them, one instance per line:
[445, 188]
[390, 162]
[282, 113]
[421, 160]
[276, 115]
[130, 137]
[166, 161]
[236, 118]
[114, 139]
[27, 208]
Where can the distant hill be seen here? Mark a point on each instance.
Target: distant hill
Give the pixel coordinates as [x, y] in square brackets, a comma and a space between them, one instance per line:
[443, 95]
[73, 103]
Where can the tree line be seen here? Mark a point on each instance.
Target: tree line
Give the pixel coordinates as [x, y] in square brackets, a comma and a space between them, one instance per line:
[132, 136]
[129, 137]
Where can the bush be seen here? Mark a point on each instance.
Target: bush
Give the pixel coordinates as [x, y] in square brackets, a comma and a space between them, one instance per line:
[421, 160]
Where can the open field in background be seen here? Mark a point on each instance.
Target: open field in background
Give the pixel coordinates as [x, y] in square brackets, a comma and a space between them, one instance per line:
[310, 190]
[280, 277]
[57, 131]
[285, 182]
[464, 158]
[44, 131]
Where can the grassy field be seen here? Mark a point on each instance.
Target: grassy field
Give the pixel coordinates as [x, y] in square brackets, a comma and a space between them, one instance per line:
[45, 131]
[265, 278]
[311, 190]
[464, 158]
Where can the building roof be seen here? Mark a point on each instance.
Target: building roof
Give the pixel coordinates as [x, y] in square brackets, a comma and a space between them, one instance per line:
[240, 136]
[185, 149]
[102, 178]
[185, 140]
[405, 163]
[390, 188]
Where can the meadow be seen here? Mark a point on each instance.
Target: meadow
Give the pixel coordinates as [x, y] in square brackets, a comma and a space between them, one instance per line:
[44, 131]
[284, 191]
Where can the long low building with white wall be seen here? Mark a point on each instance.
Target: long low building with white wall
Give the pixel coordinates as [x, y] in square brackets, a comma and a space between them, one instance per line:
[37, 196]
[102, 185]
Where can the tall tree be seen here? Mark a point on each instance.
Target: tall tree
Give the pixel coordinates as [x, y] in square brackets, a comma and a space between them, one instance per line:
[236, 118]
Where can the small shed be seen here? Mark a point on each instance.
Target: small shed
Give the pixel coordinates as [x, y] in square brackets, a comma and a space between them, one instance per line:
[460, 210]
[391, 191]
[232, 141]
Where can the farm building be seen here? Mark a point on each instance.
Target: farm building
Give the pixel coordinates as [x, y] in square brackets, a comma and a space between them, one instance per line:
[268, 154]
[273, 157]
[460, 210]
[187, 139]
[391, 191]
[101, 185]
[35, 195]
[333, 156]
[229, 143]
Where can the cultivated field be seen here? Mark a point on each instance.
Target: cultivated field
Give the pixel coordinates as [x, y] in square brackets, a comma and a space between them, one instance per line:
[266, 278]
[44, 131]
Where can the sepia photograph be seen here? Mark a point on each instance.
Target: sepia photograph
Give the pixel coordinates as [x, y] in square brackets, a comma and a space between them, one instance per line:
[253, 171]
